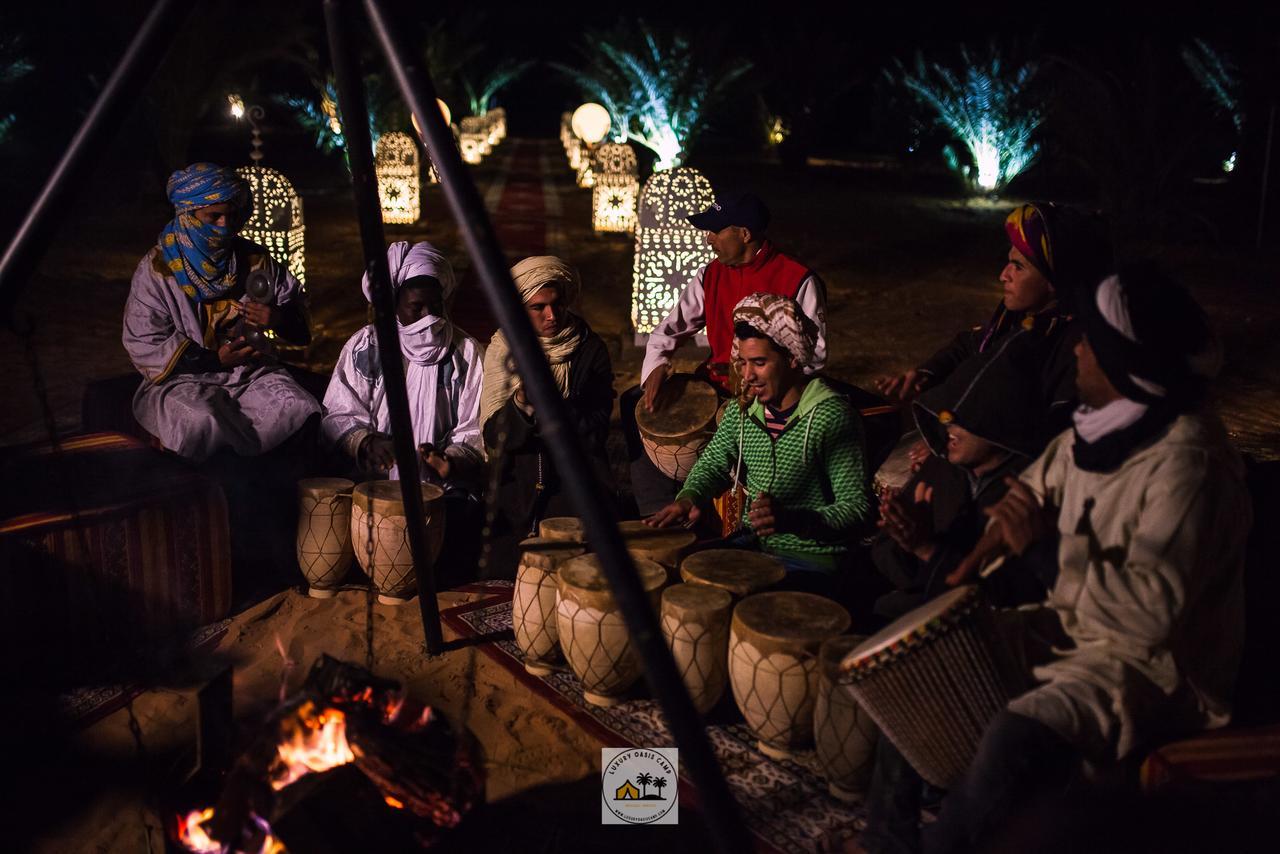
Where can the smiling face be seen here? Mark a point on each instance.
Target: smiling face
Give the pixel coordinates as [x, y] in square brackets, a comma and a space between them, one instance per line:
[546, 311]
[967, 450]
[1025, 289]
[418, 297]
[768, 375]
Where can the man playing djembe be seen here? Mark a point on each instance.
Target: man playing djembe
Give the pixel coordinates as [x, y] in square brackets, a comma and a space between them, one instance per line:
[793, 442]
[1141, 512]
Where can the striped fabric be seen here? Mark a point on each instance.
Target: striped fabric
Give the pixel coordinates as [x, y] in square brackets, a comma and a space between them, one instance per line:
[1225, 756]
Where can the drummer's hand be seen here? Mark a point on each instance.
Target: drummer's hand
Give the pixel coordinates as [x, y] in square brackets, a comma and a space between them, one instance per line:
[235, 353]
[438, 463]
[681, 511]
[378, 452]
[764, 515]
[910, 524]
[902, 388]
[917, 454]
[1020, 517]
[263, 316]
[653, 385]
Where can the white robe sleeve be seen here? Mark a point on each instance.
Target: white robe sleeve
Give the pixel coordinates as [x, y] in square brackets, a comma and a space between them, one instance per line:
[348, 417]
[466, 440]
[151, 334]
[686, 319]
[812, 299]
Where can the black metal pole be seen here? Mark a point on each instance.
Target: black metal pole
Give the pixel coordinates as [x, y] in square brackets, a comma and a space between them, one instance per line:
[1266, 175]
[120, 93]
[351, 103]
[588, 497]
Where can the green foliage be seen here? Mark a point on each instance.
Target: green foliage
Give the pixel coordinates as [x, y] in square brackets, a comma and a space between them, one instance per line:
[13, 67]
[489, 80]
[1218, 75]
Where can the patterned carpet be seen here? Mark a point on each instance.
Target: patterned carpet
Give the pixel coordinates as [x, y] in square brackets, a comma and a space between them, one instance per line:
[784, 803]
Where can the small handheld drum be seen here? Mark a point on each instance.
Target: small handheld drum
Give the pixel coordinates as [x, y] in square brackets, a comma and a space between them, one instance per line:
[895, 471]
[324, 533]
[593, 634]
[392, 569]
[674, 435]
[738, 571]
[844, 735]
[695, 623]
[533, 602]
[933, 679]
[562, 528]
[773, 664]
[663, 545]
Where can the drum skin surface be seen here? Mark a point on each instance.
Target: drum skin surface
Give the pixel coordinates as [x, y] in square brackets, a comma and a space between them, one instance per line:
[739, 571]
[674, 435]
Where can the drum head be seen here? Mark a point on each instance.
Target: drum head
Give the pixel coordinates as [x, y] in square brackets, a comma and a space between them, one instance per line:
[908, 623]
[739, 571]
[585, 573]
[387, 498]
[561, 528]
[791, 616]
[556, 550]
[689, 406]
[696, 597]
[325, 485]
[639, 536]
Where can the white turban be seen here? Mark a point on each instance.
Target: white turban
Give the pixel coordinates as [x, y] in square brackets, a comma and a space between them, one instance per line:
[406, 261]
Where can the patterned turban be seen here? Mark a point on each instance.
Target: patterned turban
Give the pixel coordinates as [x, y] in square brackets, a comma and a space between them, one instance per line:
[199, 254]
[782, 320]
[204, 184]
[1068, 246]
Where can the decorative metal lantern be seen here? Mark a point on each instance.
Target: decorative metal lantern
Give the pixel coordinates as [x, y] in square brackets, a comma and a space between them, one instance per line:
[500, 122]
[615, 158]
[398, 165]
[276, 220]
[590, 123]
[474, 146]
[668, 249]
[616, 188]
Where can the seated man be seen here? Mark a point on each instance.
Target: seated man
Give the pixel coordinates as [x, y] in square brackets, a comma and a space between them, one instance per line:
[795, 444]
[746, 262]
[529, 487]
[982, 426]
[1142, 511]
[443, 372]
[188, 320]
[1054, 252]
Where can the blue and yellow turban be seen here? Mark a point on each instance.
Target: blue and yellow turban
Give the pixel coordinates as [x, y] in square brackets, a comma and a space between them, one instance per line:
[200, 254]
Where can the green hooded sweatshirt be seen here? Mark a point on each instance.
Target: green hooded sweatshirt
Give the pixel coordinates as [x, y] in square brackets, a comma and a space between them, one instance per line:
[815, 470]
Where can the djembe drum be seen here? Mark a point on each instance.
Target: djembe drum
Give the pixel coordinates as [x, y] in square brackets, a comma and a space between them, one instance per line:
[738, 571]
[674, 435]
[844, 735]
[695, 622]
[562, 529]
[392, 569]
[773, 664]
[661, 545]
[933, 680]
[324, 533]
[593, 635]
[533, 601]
[895, 471]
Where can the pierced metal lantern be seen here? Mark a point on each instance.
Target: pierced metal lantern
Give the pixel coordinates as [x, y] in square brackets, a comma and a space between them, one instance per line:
[669, 250]
[398, 164]
[276, 220]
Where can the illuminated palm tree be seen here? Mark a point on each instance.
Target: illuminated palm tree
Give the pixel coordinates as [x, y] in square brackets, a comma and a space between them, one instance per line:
[489, 80]
[643, 780]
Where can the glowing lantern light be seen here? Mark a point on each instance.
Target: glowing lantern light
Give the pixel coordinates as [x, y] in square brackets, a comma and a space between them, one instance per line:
[590, 123]
[500, 122]
[276, 220]
[236, 103]
[473, 139]
[668, 249]
[613, 198]
[399, 188]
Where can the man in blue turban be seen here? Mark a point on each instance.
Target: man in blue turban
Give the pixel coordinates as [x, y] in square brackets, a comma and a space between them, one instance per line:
[198, 338]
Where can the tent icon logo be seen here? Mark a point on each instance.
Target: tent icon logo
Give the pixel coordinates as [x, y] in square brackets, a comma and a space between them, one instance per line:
[639, 786]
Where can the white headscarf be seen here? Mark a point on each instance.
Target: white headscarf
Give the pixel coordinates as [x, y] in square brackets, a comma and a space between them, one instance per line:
[429, 339]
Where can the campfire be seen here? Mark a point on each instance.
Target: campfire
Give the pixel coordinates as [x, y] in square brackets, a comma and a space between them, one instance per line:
[348, 742]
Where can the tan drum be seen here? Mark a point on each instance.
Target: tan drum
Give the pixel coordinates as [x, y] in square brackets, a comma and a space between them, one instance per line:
[324, 533]
[933, 680]
[773, 664]
[695, 622]
[844, 735]
[593, 635]
[675, 434]
[739, 571]
[562, 528]
[533, 602]
[895, 471]
[392, 570]
[663, 545]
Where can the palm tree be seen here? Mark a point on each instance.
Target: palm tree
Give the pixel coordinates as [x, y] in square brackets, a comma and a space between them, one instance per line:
[488, 80]
[643, 780]
[659, 783]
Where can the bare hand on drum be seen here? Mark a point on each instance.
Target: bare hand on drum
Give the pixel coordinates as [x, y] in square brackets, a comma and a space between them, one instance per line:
[681, 511]
[436, 461]
[1020, 517]
[764, 515]
[653, 386]
[377, 452]
[901, 389]
[917, 454]
[910, 525]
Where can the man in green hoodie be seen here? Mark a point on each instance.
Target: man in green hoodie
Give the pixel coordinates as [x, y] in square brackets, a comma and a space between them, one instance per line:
[793, 442]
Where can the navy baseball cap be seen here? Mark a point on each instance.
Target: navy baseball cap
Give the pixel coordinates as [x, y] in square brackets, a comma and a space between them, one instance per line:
[745, 209]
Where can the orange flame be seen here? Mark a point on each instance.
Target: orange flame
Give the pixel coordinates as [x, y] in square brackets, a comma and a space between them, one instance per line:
[192, 835]
[313, 741]
[393, 802]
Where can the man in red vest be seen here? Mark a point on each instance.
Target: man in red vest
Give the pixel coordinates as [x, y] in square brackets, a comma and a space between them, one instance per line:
[746, 262]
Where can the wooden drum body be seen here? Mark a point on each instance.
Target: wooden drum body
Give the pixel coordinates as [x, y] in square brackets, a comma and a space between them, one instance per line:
[738, 571]
[660, 545]
[695, 623]
[895, 471]
[773, 664]
[674, 435]
[392, 569]
[844, 735]
[533, 602]
[933, 680]
[324, 533]
[593, 634]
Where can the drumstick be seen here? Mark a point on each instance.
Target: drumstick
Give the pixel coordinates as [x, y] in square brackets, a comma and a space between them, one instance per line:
[990, 545]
